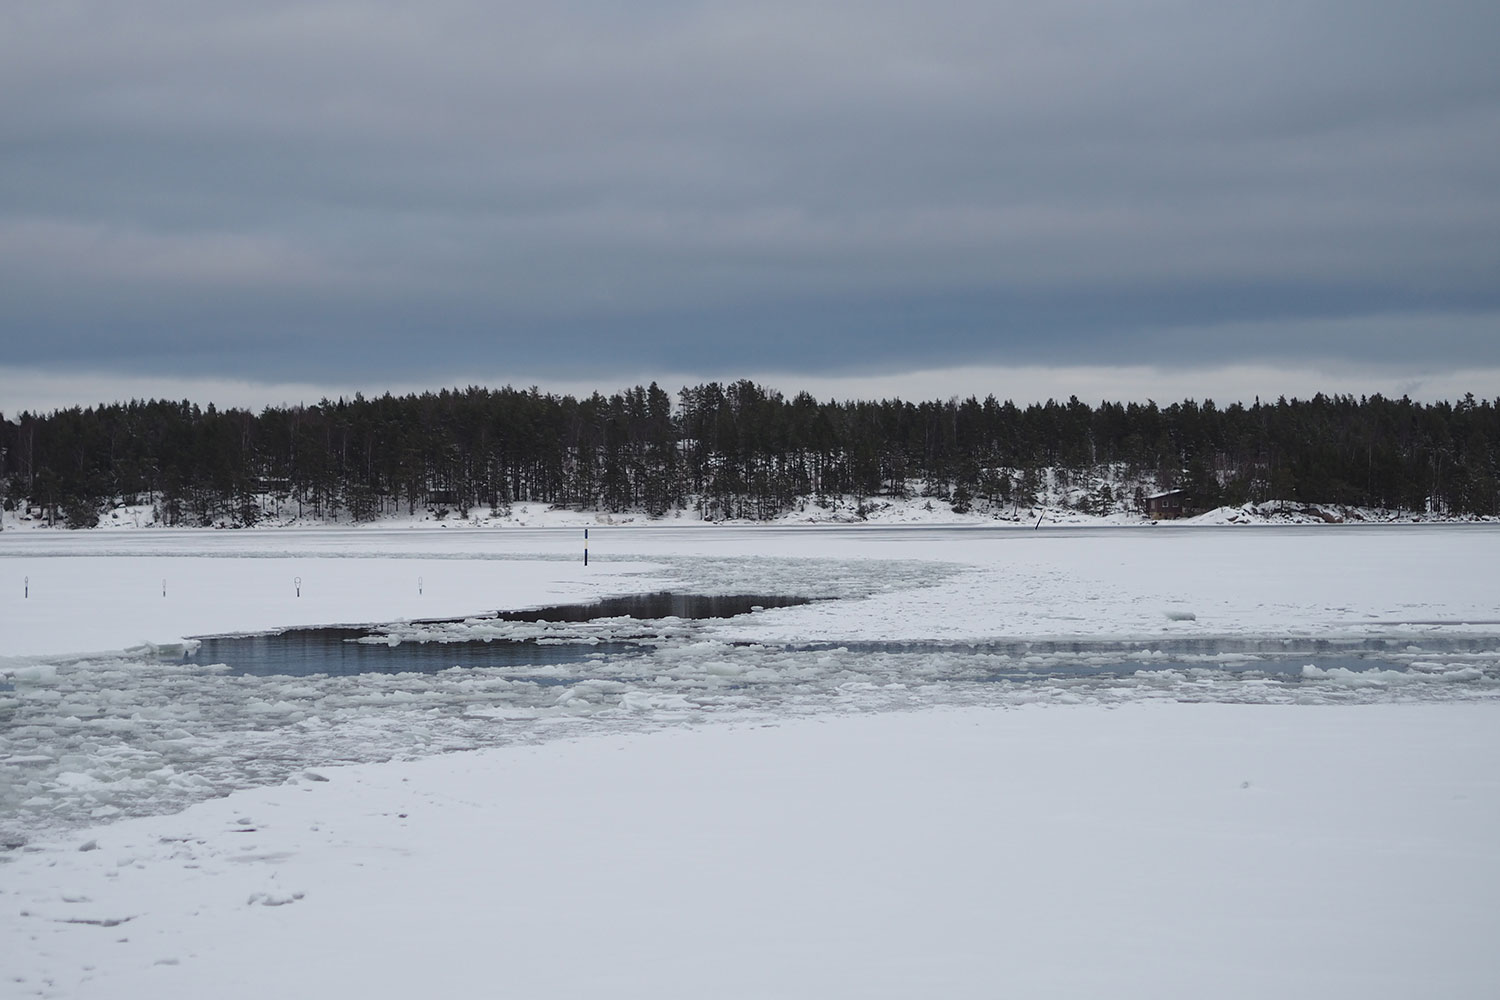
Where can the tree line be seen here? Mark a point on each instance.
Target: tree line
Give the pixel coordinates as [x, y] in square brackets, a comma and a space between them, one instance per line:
[735, 450]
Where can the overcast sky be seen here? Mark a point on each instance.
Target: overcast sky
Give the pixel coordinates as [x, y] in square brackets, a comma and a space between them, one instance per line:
[268, 199]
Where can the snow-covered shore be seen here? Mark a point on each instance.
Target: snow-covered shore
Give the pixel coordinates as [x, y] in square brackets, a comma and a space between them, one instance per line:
[848, 510]
[1149, 851]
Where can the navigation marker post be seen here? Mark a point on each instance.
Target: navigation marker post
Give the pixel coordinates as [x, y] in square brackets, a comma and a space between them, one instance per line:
[585, 546]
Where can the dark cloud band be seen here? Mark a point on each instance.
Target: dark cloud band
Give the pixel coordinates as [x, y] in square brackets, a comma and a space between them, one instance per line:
[336, 189]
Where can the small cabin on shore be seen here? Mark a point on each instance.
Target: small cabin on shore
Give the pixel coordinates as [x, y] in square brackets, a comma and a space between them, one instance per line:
[1167, 506]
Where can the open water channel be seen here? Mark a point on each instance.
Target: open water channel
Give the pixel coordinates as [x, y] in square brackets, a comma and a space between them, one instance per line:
[635, 626]
[115, 735]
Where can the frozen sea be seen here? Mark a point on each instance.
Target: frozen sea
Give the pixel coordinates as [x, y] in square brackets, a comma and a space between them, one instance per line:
[1072, 652]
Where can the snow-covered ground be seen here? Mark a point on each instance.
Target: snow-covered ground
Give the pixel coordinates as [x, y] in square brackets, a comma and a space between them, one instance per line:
[1066, 762]
[1055, 506]
[1151, 851]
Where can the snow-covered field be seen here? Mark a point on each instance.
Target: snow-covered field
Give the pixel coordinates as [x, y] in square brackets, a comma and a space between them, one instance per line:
[1068, 762]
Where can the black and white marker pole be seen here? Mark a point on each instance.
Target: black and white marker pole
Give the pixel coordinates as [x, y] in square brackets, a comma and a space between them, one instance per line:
[585, 546]
[297, 582]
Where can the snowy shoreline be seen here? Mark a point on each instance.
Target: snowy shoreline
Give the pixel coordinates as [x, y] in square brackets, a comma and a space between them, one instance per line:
[841, 511]
[1145, 851]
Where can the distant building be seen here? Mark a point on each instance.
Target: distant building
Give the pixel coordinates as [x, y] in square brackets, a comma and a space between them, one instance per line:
[1167, 506]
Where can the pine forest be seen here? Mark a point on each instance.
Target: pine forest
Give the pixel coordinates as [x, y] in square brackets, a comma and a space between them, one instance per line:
[737, 451]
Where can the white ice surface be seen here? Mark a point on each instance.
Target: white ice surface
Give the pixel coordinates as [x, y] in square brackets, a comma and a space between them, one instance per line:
[96, 590]
[1148, 851]
[93, 736]
[89, 602]
[1328, 835]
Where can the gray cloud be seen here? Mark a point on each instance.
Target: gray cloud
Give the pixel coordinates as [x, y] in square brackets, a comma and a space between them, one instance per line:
[289, 190]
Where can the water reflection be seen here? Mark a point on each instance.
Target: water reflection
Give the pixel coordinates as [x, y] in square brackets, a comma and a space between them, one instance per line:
[305, 652]
[662, 604]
